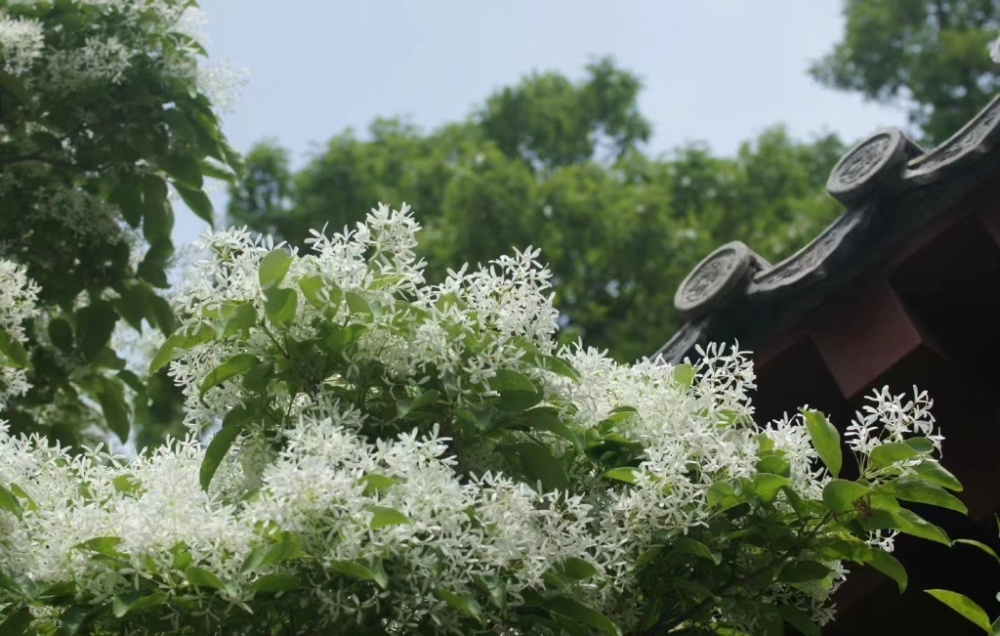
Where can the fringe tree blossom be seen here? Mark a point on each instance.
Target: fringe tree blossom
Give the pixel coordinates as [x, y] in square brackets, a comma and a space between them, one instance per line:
[393, 456]
[21, 43]
[17, 304]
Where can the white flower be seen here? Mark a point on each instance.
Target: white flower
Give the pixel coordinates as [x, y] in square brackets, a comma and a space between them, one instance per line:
[21, 43]
[429, 501]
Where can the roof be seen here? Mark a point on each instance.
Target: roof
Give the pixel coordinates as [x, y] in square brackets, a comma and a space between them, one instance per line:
[891, 189]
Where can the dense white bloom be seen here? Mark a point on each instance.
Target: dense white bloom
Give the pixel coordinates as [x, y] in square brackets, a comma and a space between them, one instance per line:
[17, 303]
[17, 298]
[98, 60]
[374, 514]
[995, 51]
[21, 43]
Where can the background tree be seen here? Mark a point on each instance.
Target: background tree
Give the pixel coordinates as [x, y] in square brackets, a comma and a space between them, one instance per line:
[559, 165]
[927, 55]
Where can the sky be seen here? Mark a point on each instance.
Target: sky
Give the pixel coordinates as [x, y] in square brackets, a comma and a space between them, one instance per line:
[718, 71]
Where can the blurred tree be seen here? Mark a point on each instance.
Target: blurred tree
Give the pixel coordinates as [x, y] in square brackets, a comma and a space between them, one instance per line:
[558, 165]
[929, 55]
[549, 122]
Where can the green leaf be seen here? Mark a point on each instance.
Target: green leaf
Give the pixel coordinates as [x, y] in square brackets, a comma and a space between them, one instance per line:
[131, 306]
[127, 484]
[105, 546]
[684, 375]
[184, 169]
[964, 606]
[359, 572]
[127, 195]
[496, 587]
[463, 603]
[517, 391]
[17, 623]
[280, 305]
[13, 350]
[978, 544]
[774, 465]
[932, 472]
[770, 623]
[158, 218]
[687, 545]
[232, 425]
[198, 201]
[234, 366]
[580, 613]
[559, 367]
[273, 268]
[722, 495]
[578, 569]
[383, 517]
[909, 489]
[767, 485]
[160, 313]
[626, 475]
[922, 445]
[357, 304]
[266, 555]
[75, 618]
[274, 583]
[178, 340]
[340, 339]
[375, 483]
[10, 503]
[203, 578]
[111, 397]
[538, 465]
[877, 559]
[134, 602]
[840, 494]
[241, 319]
[182, 556]
[798, 619]
[647, 557]
[94, 326]
[547, 419]
[803, 572]
[825, 439]
[911, 523]
[311, 286]
[257, 379]
[890, 453]
[425, 399]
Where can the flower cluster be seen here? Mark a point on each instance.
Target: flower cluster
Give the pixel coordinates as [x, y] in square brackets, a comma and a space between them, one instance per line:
[406, 457]
[21, 43]
[17, 303]
[100, 58]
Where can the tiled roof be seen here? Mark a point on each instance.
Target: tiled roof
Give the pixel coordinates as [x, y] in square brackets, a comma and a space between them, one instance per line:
[890, 187]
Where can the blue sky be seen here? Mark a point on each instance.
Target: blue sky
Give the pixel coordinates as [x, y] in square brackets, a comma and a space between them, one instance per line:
[719, 71]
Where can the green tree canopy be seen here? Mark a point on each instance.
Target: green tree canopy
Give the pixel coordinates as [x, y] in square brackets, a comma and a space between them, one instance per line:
[559, 166]
[929, 55]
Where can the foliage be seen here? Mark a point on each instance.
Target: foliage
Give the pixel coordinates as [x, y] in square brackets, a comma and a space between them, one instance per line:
[103, 114]
[401, 457]
[928, 55]
[558, 165]
[965, 606]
